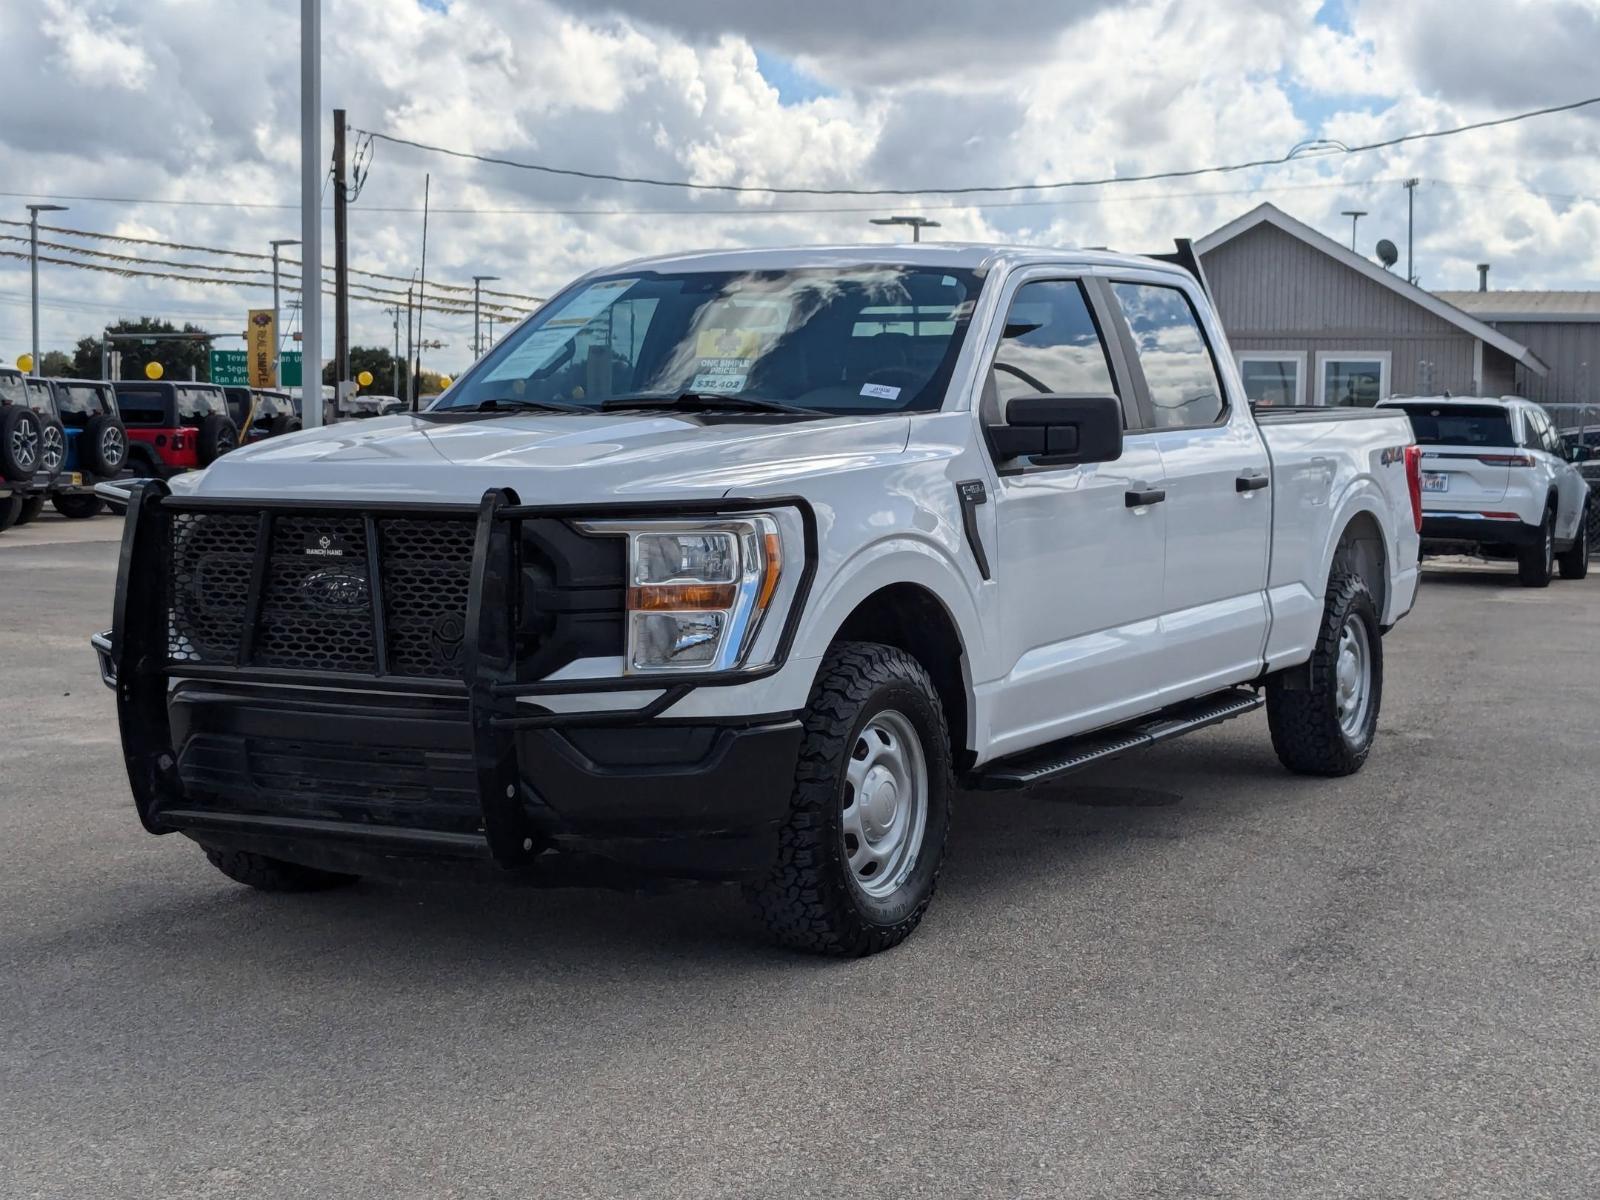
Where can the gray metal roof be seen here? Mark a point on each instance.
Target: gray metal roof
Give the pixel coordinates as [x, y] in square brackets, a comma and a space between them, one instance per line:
[1527, 305]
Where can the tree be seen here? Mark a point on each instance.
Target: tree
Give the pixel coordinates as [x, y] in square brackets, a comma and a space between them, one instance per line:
[368, 358]
[175, 357]
[56, 364]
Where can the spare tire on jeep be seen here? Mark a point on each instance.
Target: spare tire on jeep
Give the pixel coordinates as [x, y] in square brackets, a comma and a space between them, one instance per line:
[52, 445]
[283, 423]
[103, 446]
[21, 442]
[216, 436]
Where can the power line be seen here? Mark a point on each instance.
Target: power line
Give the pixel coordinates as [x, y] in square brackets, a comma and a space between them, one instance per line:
[966, 189]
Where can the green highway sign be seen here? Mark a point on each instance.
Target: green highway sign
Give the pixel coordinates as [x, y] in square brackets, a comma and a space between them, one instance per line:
[231, 367]
[291, 369]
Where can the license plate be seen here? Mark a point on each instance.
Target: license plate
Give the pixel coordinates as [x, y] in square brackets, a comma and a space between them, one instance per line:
[1434, 481]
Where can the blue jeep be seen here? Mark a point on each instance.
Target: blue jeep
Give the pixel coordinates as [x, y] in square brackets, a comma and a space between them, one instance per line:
[97, 443]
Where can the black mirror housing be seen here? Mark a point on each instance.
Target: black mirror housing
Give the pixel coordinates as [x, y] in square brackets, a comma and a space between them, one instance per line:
[1060, 430]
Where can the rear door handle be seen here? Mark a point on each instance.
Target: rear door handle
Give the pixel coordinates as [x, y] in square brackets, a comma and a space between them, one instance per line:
[1251, 483]
[1140, 499]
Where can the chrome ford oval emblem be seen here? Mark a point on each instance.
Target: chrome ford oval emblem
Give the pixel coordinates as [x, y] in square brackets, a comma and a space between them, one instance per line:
[337, 589]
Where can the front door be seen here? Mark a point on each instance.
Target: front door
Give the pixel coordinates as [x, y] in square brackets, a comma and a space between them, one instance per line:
[1080, 571]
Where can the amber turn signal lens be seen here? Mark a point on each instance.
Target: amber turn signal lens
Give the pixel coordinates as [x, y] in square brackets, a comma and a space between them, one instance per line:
[769, 582]
[680, 597]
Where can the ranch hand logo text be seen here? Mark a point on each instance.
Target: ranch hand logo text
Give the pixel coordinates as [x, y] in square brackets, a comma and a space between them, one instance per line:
[325, 547]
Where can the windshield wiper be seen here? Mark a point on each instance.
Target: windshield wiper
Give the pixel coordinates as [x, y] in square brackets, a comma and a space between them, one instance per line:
[707, 402]
[512, 404]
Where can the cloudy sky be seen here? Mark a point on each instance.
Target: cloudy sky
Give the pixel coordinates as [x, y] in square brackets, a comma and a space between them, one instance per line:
[186, 112]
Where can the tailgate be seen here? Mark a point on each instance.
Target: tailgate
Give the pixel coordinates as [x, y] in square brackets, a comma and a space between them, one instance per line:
[1459, 476]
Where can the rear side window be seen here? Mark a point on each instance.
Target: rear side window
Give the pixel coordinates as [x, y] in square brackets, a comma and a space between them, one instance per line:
[1459, 425]
[196, 404]
[39, 398]
[11, 388]
[1051, 345]
[142, 406]
[79, 402]
[1185, 390]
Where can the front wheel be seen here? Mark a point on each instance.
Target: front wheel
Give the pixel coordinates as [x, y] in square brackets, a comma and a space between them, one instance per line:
[860, 852]
[1323, 717]
[78, 506]
[1575, 559]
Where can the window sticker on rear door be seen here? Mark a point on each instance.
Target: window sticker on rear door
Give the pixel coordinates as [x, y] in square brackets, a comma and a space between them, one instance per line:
[541, 346]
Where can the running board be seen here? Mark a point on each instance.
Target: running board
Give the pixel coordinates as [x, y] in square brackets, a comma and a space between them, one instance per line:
[1073, 753]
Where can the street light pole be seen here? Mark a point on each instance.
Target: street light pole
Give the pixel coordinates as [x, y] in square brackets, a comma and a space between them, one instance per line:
[33, 259]
[477, 283]
[277, 333]
[1355, 215]
[311, 172]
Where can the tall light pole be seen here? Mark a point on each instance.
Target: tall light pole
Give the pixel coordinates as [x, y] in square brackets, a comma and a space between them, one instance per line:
[312, 169]
[277, 333]
[477, 282]
[1355, 215]
[918, 224]
[33, 258]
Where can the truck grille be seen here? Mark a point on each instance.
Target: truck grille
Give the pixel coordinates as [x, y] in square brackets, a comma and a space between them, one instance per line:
[316, 605]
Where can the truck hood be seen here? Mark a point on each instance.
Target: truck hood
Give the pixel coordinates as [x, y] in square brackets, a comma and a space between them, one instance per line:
[548, 458]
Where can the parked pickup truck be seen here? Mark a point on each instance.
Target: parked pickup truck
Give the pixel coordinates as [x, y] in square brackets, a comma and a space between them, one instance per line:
[733, 566]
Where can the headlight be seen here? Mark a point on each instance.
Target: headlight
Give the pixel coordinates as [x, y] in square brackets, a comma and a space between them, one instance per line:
[697, 590]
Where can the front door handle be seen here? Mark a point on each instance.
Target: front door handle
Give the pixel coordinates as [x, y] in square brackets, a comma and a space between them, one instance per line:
[1251, 483]
[1140, 499]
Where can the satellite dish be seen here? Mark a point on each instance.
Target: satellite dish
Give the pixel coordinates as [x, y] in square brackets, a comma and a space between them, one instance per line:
[1388, 255]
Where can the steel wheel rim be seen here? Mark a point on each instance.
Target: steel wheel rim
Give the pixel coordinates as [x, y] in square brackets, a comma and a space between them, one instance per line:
[24, 447]
[52, 449]
[885, 804]
[1353, 677]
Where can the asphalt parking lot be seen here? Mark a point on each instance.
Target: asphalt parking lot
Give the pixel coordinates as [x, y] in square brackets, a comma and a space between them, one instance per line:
[1187, 974]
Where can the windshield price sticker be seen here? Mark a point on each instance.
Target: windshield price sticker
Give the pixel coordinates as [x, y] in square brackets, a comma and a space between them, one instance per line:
[544, 343]
[880, 391]
[721, 375]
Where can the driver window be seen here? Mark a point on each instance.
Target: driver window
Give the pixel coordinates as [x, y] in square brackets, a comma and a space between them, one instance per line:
[1050, 344]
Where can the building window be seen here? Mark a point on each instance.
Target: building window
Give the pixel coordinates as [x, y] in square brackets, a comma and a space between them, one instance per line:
[1354, 379]
[1273, 380]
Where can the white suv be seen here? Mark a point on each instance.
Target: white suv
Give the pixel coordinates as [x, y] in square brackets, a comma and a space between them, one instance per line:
[1496, 474]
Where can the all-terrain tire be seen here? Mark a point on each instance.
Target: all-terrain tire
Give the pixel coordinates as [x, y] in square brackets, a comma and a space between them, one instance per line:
[273, 874]
[1537, 563]
[31, 507]
[1575, 559]
[810, 898]
[216, 436]
[10, 507]
[21, 435]
[1303, 706]
[103, 445]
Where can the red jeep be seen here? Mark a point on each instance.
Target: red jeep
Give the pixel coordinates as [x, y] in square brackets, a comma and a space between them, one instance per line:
[174, 427]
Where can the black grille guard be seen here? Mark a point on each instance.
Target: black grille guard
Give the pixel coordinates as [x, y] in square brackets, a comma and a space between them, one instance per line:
[134, 654]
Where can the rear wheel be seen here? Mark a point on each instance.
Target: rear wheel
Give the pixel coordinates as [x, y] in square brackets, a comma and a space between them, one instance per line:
[1575, 559]
[1537, 563]
[1324, 716]
[10, 508]
[273, 874]
[78, 507]
[859, 855]
[31, 507]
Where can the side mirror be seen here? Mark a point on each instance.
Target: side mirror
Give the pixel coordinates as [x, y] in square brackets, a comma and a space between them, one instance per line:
[1060, 430]
[1579, 453]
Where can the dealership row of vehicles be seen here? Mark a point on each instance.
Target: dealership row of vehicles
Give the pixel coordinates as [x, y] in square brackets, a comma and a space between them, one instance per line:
[59, 438]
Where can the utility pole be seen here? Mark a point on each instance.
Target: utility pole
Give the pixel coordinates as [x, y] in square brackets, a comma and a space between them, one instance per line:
[410, 389]
[33, 259]
[341, 254]
[277, 330]
[1355, 215]
[491, 331]
[1411, 228]
[311, 174]
[477, 284]
[395, 310]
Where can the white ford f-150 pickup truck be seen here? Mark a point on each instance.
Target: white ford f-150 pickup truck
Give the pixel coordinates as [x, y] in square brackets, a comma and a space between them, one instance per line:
[735, 566]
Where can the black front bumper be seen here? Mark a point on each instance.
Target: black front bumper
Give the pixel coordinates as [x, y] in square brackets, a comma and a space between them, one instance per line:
[381, 775]
[1480, 531]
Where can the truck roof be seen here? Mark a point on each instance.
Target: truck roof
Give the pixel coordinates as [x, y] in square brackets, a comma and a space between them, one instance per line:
[964, 255]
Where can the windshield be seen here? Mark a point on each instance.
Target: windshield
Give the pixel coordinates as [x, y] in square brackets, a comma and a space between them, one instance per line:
[835, 340]
[1459, 425]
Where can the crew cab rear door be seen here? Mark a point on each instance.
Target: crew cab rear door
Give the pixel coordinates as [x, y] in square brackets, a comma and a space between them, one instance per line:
[1218, 504]
[1078, 564]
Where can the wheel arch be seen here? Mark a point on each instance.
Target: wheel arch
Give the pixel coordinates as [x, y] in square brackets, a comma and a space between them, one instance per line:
[1363, 549]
